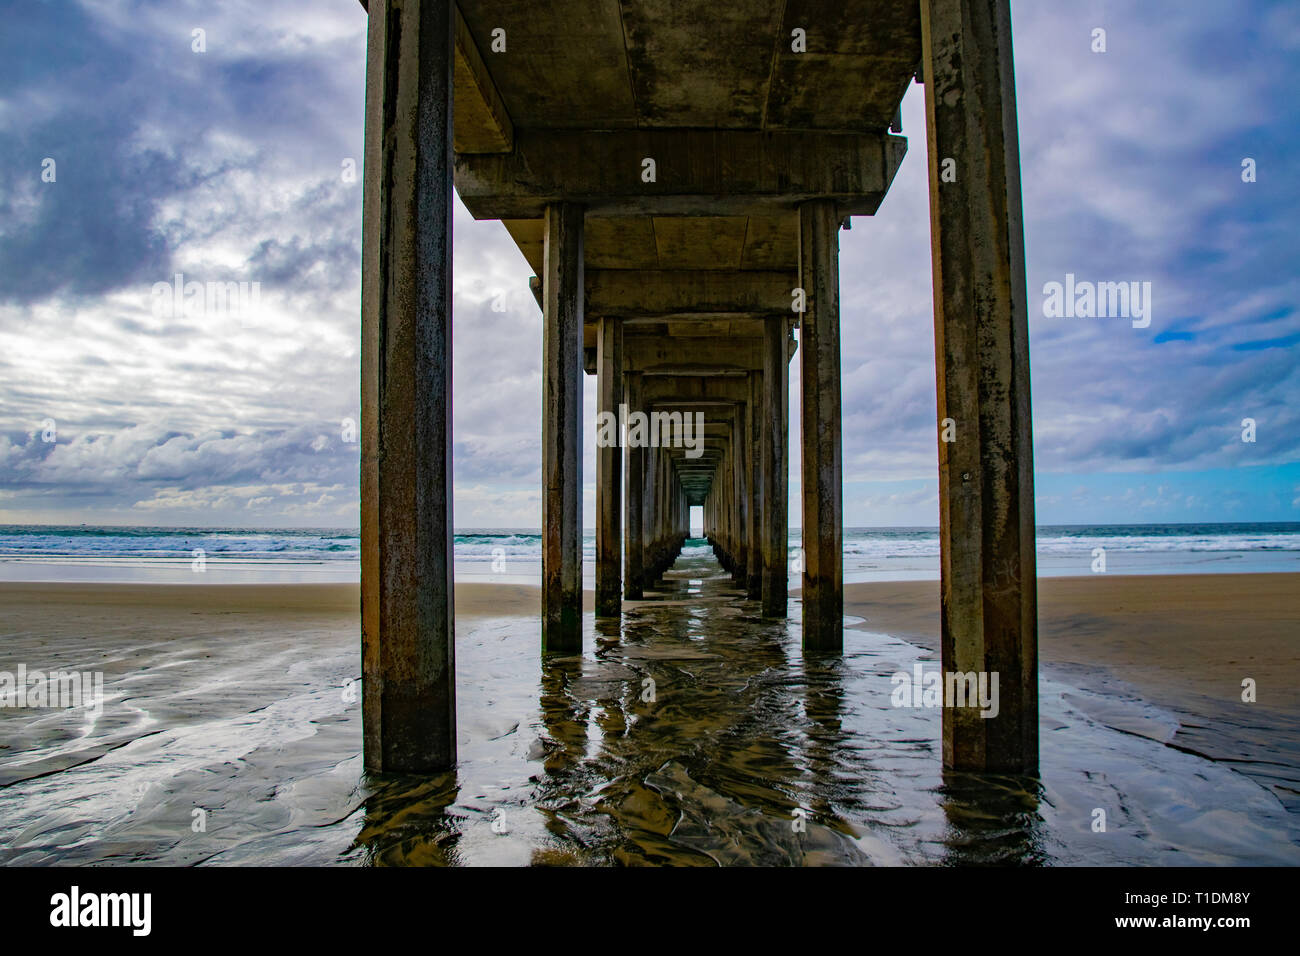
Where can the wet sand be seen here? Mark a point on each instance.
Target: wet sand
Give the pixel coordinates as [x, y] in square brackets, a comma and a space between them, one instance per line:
[1184, 643]
[241, 702]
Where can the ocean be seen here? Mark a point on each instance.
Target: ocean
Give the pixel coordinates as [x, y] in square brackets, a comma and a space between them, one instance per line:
[289, 555]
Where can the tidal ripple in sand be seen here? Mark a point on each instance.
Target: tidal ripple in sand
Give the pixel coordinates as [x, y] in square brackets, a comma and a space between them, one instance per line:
[573, 761]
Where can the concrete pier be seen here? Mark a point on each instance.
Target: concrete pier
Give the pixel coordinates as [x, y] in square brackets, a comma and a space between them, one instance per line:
[775, 412]
[739, 494]
[407, 627]
[986, 480]
[754, 573]
[823, 513]
[609, 472]
[677, 180]
[562, 428]
[634, 554]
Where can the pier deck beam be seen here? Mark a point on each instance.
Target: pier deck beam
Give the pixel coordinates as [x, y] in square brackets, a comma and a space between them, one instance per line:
[986, 493]
[609, 472]
[714, 171]
[819, 349]
[776, 409]
[562, 288]
[407, 610]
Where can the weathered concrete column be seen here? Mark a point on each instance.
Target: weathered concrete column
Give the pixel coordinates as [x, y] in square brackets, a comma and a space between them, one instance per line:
[725, 474]
[651, 514]
[661, 536]
[648, 529]
[819, 356]
[754, 573]
[562, 291]
[986, 492]
[634, 552]
[670, 483]
[661, 479]
[775, 411]
[407, 627]
[684, 507]
[609, 471]
[707, 511]
[711, 511]
[740, 503]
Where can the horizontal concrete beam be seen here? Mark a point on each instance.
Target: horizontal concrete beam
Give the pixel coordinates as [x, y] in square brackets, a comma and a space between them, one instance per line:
[713, 414]
[654, 292]
[641, 296]
[717, 445]
[708, 460]
[682, 390]
[695, 172]
[696, 355]
[733, 325]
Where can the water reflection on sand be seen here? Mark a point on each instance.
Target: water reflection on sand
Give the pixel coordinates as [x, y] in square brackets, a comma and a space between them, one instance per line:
[693, 733]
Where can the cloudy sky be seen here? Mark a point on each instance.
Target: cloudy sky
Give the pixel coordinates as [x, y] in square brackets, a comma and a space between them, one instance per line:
[231, 165]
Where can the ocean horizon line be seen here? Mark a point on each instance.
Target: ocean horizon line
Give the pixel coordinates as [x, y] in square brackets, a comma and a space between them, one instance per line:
[534, 529]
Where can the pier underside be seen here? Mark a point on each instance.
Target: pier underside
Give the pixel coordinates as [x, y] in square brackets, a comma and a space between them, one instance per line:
[677, 175]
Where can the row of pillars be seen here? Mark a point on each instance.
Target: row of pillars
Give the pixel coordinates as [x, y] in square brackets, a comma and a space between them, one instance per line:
[988, 577]
[655, 505]
[746, 511]
[654, 502]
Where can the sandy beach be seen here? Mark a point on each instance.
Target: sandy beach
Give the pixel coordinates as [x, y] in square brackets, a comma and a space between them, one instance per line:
[1181, 642]
[239, 699]
[1168, 635]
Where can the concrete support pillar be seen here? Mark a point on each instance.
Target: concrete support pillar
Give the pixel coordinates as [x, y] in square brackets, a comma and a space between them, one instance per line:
[715, 521]
[661, 479]
[724, 512]
[670, 511]
[562, 292]
[677, 510]
[649, 516]
[683, 514]
[670, 475]
[407, 627]
[719, 512]
[819, 352]
[754, 572]
[709, 531]
[661, 511]
[635, 548]
[652, 514]
[739, 514]
[657, 510]
[776, 410]
[986, 493]
[609, 471]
